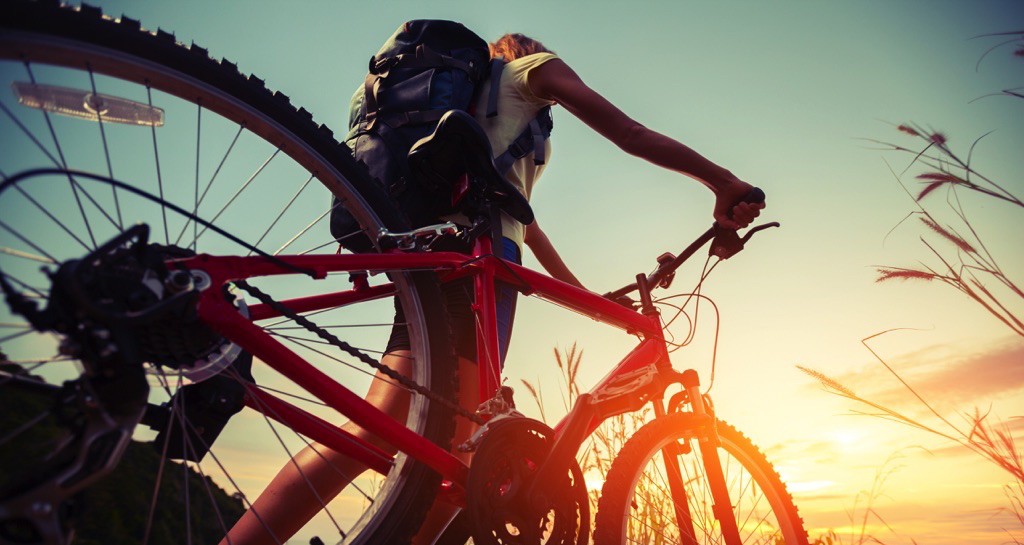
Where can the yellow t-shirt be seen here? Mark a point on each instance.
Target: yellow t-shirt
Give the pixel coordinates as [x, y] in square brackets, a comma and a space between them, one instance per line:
[517, 106]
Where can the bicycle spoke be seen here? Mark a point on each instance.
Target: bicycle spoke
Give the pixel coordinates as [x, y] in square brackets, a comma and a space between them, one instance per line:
[63, 162]
[309, 484]
[220, 165]
[359, 369]
[741, 495]
[666, 538]
[50, 215]
[233, 197]
[664, 490]
[245, 500]
[38, 362]
[350, 478]
[106, 149]
[60, 164]
[31, 136]
[179, 405]
[310, 400]
[206, 484]
[8, 377]
[305, 314]
[26, 255]
[45, 258]
[37, 291]
[15, 335]
[706, 500]
[159, 474]
[381, 324]
[281, 214]
[195, 208]
[25, 427]
[320, 247]
[302, 232]
[156, 158]
[667, 492]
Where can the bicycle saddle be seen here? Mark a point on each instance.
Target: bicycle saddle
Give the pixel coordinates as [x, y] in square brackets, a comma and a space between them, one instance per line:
[459, 146]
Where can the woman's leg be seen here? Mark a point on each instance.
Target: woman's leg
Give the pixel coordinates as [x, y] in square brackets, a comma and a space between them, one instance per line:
[317, 474]
[442, 512]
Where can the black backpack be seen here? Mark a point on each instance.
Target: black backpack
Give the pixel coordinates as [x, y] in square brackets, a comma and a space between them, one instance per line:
[425, 69]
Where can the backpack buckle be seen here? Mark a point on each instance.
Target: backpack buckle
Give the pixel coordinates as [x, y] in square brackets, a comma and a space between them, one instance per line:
[383, 66]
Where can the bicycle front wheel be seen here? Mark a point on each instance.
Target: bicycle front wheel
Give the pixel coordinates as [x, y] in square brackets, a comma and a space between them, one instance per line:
[85, 93]
[658, 491]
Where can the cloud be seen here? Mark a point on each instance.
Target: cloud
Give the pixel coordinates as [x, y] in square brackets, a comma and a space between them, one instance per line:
[943, 377]
[807, 452]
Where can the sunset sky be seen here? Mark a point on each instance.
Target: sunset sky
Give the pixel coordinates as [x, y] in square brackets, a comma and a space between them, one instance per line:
[787, 95]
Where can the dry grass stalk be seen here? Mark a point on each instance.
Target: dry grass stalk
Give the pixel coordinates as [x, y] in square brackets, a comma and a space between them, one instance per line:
[893, 273]
[949, 235]
[971, 269]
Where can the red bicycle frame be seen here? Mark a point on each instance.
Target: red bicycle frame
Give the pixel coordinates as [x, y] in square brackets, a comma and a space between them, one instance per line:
[606, 399]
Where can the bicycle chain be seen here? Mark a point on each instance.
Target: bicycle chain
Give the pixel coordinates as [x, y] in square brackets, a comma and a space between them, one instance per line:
[355, 352]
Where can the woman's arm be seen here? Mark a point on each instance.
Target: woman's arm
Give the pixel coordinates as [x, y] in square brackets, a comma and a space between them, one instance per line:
[548, 257]
[554, 80]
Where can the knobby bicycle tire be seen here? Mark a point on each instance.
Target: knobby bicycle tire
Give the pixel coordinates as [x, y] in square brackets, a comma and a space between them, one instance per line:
[637, 506]
[48, 47]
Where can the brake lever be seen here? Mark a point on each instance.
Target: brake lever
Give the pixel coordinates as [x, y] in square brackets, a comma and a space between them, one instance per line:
[761, 227]
[665, 259]
[728, 243]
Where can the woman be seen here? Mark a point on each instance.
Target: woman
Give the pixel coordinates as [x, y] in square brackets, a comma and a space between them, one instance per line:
[533, 79]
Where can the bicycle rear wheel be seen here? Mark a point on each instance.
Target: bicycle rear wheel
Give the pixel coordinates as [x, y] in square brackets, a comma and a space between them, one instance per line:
[88, 93]
[640, 504]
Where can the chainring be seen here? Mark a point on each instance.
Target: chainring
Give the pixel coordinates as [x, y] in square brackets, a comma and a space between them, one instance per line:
[503, 470]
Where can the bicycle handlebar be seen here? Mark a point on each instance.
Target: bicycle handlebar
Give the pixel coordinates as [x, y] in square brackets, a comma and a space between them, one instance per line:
[730, 245]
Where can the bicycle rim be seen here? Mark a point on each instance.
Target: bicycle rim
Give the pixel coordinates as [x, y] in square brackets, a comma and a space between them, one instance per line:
[637, 504]
[192, 131]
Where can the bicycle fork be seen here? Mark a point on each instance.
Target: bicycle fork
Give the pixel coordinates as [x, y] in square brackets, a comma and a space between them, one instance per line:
[709, 443]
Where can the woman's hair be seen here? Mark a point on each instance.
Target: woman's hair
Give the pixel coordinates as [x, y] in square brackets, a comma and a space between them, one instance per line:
[514, 46]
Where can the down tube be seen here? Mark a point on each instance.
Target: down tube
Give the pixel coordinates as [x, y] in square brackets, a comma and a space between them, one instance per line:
[225, 319]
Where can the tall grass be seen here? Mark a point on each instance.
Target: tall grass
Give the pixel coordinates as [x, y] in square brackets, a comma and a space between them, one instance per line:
[958, 255]
[987, 437]
[862, 514]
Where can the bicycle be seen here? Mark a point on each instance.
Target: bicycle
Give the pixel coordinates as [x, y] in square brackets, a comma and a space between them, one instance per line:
[166, 332]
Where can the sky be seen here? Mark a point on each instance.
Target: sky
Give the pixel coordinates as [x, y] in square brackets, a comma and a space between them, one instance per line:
[788, 95]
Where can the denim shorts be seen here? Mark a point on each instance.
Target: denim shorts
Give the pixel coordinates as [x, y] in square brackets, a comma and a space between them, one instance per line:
[458, 296]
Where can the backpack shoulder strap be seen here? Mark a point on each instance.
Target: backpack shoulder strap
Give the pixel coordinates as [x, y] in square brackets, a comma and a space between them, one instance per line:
[531, 139]
[497, 65]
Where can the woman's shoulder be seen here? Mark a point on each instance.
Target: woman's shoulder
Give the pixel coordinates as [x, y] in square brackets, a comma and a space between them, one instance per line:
[531, 61]
[519, 75]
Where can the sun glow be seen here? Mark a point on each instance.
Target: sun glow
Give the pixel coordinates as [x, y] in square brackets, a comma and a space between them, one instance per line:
[808, 486]
[593, 479]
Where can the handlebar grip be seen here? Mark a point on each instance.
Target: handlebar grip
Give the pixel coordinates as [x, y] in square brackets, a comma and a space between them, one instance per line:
[755, 195]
